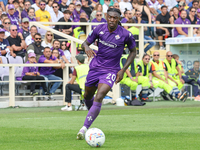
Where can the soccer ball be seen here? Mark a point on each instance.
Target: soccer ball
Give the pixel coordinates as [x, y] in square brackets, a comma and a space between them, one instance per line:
[95, 137]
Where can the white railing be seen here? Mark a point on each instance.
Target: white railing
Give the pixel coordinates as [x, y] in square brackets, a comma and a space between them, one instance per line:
[116, 88]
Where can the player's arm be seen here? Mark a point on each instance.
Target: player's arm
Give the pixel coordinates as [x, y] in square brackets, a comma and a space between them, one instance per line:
[90, 53]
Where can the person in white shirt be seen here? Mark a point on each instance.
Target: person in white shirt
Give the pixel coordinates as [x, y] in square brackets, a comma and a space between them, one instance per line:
[56, 14]
[170, 4]
[153, 6]
[49, 6]
[30, 39]
[67, 53]
[48, 40]
[125, 4]
[105, 7]
[36, 6]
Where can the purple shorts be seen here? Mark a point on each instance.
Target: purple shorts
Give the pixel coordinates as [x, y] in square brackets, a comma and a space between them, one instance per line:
[96, 77]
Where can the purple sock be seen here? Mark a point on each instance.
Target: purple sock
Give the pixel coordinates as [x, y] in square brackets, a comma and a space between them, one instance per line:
[92, 114]
[89, 103]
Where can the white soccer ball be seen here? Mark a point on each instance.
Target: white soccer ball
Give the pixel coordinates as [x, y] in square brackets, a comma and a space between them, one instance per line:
[95, 137]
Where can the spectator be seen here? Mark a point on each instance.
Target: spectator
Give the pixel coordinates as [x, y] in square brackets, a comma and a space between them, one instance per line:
[66, 52]
[14, 20]
[163, 18]
[56, 45]
[147, 39]
[21, 5]
[127, 16]
[35, 47]
[86, 7]
[5, 48]
[146, 15]
[98, 19]
[194, 72]
[105, 6]
[66, 18]
[3, 16]
[59, 72]
[17, 12]
[175, 15]
[30, 39]
[24, 13]
[170, 4]
[49, 6]
[171, 13]
[58, 1]
[198, 16]
[42, 15]
[31, 14]
[84, 15]
[181, 31]
[9, 2]
[71, 9]
[192, 16]
[77, 11]
[63, 5]
[36, 6]
[56, 14]
[181, 6]
[47, 72]
[6, 26]
[125, 4]
[25, 28]
[116, 5]
[32, 73]
[16, 42]
[48, 39]
[98, 7]
[197, 32]
[195, 4]
[79, 74]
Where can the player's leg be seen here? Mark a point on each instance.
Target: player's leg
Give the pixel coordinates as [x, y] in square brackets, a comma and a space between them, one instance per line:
[89, 96]
[103, 89]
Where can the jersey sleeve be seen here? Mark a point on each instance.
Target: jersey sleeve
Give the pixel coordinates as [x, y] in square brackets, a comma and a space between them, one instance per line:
[93, 35]
[130, 41]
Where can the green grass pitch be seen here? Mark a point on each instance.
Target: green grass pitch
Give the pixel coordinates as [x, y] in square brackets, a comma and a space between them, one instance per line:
[157, 126]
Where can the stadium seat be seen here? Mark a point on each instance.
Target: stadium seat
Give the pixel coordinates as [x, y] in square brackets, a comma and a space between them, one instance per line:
[4, 71]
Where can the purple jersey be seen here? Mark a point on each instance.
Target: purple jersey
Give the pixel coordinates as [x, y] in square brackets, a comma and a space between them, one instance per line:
[24, 14]
[29, 69]
[110, 47]
[76, 15]
[14, 20]
[180, 21]
[124, 20]
[4, 44]
[46, 70]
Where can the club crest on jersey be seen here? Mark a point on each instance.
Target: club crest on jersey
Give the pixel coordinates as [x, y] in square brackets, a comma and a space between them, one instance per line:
[117, 37]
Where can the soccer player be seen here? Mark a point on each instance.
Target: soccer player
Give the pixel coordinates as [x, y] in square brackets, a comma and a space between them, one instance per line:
[104, 67]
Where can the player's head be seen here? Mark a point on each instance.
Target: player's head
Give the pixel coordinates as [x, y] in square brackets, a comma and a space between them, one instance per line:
[146, 58]
[175, 56]
[169, 56]
[156, 56]
[196, 65]
[113, 18]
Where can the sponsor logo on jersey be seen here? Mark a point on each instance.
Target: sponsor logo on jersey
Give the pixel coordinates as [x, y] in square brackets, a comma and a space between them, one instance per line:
[110, 82]
[109, 44]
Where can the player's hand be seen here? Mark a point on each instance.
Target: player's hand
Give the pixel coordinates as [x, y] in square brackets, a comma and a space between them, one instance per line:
[182, 81]
[120, 75]
[90, 53]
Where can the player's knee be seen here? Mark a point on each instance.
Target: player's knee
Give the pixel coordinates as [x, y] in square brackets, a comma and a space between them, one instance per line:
[87, 96]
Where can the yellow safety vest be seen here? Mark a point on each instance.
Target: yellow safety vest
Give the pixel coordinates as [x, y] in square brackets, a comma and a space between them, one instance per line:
[129, 68]
[159, 68]
[82, 72]
[180, 67]
[77, 31]
[171, 69]
[148, 67]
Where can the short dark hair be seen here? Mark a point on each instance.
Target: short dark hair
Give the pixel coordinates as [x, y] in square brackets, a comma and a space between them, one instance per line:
[67, 12]
[47, 48]
[196, 61]
[114, 10]
[37, 34]
[42, 1]
[27, 1]
[183, 10]
[56, 40]
[195, 1]
[4, 15]
[15, 1]
[55, 3]
[33, 26]
[192, 8]
[175, 56]
[145, 55]
[30, 9]
[163, 7]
